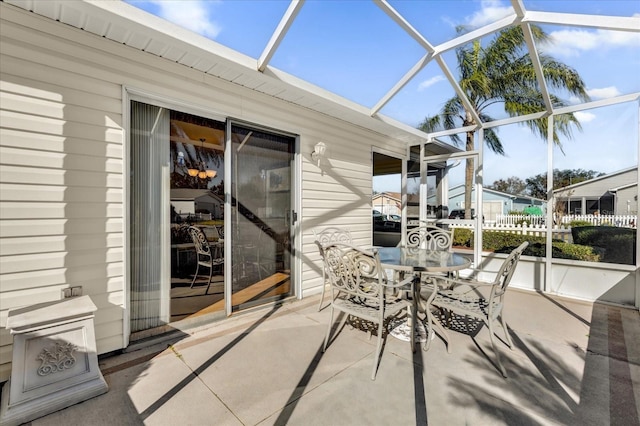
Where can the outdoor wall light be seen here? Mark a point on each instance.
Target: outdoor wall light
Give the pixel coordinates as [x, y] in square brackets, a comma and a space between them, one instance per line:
[318, 152]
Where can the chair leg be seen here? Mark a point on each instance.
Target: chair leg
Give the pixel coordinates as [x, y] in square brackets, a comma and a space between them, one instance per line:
[495, 349]
[195, 276]
[210, 277]
[326, 338]
[324, 284]
[378, 348]
[506, 331]
[414, 322]
[429, 316]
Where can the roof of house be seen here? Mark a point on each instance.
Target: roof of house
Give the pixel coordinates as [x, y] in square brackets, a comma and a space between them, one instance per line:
[493, 191]
[188, 194]
[596, 179]
[396, 196]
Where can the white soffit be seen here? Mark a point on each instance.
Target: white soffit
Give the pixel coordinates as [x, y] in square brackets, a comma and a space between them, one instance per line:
[126, 24]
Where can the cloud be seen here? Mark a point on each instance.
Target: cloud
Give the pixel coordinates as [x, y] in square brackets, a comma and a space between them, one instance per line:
[584, 117]
[490, 11]
[604, 93]
[572, 42]
[430, 82]
[601, 93]
[190, 14]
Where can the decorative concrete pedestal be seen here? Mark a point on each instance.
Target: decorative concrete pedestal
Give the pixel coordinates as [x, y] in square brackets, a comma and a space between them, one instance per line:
[54, 364]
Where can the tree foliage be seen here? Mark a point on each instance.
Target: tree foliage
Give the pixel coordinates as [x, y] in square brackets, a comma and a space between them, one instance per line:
[537, 185]
[511, 185]
[501, 73]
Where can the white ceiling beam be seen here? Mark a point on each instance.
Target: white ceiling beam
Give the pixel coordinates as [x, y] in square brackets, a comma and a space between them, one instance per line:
[402, 82]
[463, 97]
[459, 41]
[478, 33]
[616, 23]
[564, 110]
[513, 120]
[278, 35]
[452, 131]
[537, 66]
[452, 156]
[599, 103]
[399, 19]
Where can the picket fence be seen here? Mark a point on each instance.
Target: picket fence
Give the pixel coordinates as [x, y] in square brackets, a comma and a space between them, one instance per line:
[560, 232]
[626, 221]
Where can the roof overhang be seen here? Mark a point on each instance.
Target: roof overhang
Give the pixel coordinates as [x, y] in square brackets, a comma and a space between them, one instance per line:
[126, 24]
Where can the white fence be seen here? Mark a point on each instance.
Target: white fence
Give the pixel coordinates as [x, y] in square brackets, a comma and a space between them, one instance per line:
[626, 221]
[560, 232]
[513, 219]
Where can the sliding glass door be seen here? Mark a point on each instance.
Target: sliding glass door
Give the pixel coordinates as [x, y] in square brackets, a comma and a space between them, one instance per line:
[262, 215]
[176, 195]
[177, 226]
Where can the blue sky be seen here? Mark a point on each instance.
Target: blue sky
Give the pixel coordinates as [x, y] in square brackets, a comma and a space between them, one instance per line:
[352, 48]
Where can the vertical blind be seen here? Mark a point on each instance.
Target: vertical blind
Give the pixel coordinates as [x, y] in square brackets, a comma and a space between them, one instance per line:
[149, 154]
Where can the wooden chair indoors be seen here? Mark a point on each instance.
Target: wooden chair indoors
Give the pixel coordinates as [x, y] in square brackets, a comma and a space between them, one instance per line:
[325, 237]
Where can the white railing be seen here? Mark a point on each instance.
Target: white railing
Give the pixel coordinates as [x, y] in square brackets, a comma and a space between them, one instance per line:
[513, 219]
[195, 217]
[560, 232]
[626, 221]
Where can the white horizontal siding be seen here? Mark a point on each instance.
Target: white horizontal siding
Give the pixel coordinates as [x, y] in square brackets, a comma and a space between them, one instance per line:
[62, 169]
[61, 185]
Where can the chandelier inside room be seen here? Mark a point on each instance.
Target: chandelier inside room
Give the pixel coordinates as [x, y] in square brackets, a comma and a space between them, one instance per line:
[199, 169]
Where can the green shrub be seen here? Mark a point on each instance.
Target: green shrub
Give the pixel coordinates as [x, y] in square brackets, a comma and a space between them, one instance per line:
[618, 245]
[504, 242]
[462, 237]
[562, 250]
[576, 223]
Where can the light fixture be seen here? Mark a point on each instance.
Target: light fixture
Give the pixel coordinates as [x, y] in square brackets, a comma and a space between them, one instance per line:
[318, 152]
[201, 171]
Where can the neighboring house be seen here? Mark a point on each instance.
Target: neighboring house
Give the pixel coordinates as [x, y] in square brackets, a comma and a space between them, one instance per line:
[388, 203]
[494, 202]
[612, 194]
[189, 201]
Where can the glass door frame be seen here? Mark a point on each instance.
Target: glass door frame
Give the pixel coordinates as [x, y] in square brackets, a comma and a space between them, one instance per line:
[463, 155]
[294, 226]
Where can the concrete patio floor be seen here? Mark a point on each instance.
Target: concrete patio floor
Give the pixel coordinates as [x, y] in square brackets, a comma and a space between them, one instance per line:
[573, 363]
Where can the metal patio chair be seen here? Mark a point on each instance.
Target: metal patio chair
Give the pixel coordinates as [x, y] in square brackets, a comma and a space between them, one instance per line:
[205, 256]
[360, 288]
[326, 236]
[429, 237]
[463, 296]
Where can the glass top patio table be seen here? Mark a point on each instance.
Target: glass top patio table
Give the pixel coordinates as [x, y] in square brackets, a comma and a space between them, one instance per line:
[421, 260]
[417, 260]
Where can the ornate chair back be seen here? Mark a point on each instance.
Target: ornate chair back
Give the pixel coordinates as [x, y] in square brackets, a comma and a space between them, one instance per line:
[323, 238]
[429, 237]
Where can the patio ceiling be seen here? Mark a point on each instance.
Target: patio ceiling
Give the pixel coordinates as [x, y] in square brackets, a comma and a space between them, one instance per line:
[126, 24]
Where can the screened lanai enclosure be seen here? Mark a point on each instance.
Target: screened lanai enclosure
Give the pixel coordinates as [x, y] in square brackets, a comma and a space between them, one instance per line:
[178, 174]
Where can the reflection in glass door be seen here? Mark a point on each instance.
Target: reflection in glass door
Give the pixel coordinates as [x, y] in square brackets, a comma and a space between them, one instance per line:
[261, 216]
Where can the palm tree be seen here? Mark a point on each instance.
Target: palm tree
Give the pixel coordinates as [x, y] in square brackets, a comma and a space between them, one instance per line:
[502, 73]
